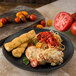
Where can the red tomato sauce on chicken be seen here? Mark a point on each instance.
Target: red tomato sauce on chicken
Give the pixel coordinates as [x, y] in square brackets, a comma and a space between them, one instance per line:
[47, 37]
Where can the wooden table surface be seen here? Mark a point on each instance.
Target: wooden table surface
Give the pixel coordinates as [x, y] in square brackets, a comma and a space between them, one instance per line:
[6, 69]
[5, 6]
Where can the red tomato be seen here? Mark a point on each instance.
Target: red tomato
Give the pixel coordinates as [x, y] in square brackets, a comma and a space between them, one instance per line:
[73, 28]
[34, 63]
[1, 24]
[28, 17]
[48, 37]
[63, 21]
[3, 20]
[43, 23]
[17, 20]
[74, 16]
[33, 17]
[23, 19]
[9, 19]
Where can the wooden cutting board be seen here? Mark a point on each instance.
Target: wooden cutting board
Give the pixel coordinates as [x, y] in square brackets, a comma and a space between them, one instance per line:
[13, 27]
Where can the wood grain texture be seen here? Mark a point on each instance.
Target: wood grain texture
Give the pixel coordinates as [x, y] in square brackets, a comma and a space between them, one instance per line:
[13, 27]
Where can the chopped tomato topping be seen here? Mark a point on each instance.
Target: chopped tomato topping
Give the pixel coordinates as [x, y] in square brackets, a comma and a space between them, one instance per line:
[47, 37]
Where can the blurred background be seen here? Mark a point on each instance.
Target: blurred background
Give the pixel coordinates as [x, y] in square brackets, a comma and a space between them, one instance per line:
[5, 5]
[29, 1]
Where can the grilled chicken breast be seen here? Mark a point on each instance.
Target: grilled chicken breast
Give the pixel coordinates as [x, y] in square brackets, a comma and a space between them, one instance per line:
[52, 56]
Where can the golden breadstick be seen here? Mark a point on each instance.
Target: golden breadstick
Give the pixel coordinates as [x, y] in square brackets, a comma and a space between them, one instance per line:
[19, 50]
[19, 40]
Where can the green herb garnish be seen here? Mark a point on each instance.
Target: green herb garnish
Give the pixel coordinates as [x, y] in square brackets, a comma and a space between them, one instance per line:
[35, 41]
[26, 60]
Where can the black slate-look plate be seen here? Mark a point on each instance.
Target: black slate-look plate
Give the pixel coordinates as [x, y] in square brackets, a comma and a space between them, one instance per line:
[68, 53]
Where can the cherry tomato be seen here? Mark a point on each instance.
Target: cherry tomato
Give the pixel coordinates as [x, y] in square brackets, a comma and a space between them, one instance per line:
[9, 19]
[28, 17]
[39, 26]
[18, 14]
[74, 16]
[25, 13]
[17, 20]
[23, 19]
[33, 17]
[73, 28]
[63, 21]
[38, 45]
[1, 24]
[21, 16]
[43, 23]
[49, 23]
[34, 63]
[3, 20]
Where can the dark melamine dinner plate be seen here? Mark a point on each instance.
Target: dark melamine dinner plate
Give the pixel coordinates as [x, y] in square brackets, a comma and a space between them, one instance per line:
[68, 53]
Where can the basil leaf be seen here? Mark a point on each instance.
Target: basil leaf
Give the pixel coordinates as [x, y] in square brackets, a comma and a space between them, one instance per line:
[26, 61]
[35, 41]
